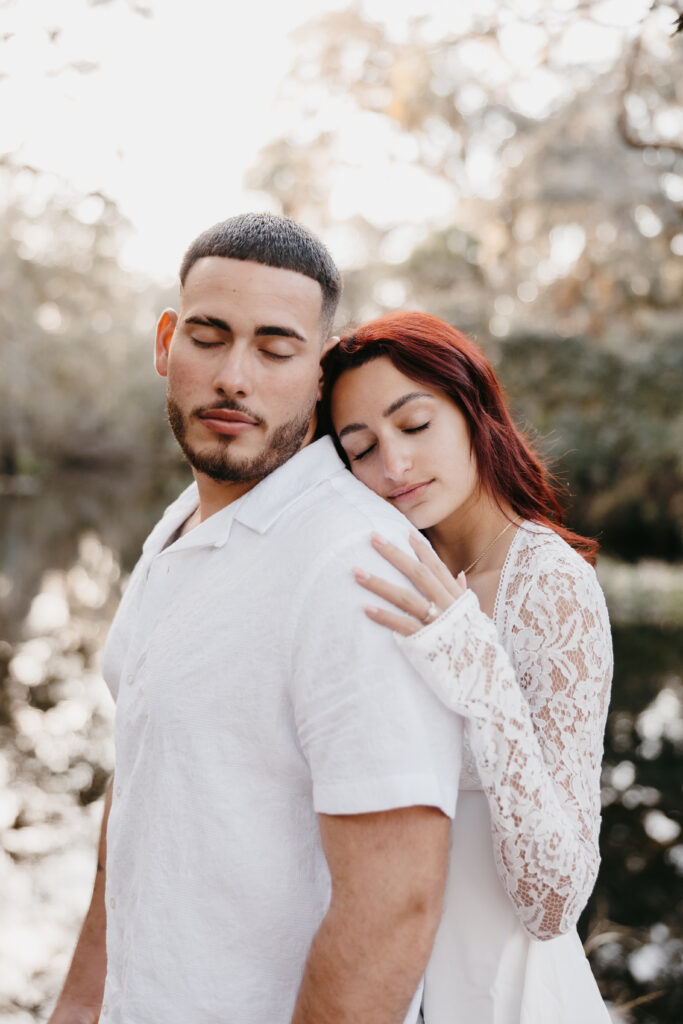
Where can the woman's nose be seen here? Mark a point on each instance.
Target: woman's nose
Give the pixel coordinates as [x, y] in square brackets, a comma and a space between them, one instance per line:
[396, 462]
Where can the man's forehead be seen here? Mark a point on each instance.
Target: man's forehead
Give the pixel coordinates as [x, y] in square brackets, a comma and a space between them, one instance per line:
[227, 275]
[246, 294]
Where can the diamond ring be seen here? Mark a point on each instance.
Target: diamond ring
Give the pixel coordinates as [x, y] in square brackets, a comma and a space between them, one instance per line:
[431, 614]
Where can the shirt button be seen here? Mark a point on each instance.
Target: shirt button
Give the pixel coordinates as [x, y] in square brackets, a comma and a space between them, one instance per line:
[118, 791]
[130, 680]
[105, 1010]
[112, 903]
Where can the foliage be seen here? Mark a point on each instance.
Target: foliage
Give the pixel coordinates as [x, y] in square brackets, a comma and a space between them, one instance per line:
[561, 249]
[612, 423]
[632, 925]
[75, 333]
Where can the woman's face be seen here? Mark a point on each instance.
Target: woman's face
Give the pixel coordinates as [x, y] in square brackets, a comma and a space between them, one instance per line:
[406, 441]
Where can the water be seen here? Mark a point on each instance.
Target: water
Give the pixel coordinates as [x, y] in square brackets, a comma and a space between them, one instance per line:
[65, 552]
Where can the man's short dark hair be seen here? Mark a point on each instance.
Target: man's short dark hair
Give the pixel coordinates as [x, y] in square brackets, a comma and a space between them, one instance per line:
[275, 242]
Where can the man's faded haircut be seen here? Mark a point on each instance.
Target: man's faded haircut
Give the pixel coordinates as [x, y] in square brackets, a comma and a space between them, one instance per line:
[275, 242]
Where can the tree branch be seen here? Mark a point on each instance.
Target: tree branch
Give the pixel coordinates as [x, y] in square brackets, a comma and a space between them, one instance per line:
[626, 130]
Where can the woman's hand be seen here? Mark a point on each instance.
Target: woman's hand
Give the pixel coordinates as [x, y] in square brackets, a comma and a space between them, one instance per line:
[436, 588]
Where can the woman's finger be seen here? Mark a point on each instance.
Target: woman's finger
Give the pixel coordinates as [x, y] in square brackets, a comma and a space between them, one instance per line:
[419, 574]
[455, 585]
[405, 599]
[406, 625]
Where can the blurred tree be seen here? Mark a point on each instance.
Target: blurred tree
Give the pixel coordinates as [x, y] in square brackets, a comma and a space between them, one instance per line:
[75, 333]
[612, 423]
[556, 129]
[633, 925]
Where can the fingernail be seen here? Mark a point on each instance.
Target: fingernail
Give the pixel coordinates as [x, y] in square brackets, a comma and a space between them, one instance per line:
[360, 574]
[414, 535]
[370, 609]
[377, 538]
[461, 577]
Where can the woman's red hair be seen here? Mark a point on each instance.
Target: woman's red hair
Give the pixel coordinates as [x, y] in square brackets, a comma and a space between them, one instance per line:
[431, 352]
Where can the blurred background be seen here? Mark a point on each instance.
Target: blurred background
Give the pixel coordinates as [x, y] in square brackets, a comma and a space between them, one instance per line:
[515, 167]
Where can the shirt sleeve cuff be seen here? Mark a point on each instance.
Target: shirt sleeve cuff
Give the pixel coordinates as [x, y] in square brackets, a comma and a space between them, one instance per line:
[461, 610]
[365, 796]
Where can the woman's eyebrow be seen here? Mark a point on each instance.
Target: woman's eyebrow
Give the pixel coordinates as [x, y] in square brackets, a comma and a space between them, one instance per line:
[410, 397]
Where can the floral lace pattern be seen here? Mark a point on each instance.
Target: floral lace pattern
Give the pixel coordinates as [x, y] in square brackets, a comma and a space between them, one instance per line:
[534, 692]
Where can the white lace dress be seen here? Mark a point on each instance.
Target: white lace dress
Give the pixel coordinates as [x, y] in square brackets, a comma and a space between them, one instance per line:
[533, 686]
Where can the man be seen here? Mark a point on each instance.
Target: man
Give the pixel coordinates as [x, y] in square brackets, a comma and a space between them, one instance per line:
[278, 825]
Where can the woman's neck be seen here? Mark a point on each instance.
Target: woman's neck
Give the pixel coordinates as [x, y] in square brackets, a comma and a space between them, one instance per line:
[462, 537]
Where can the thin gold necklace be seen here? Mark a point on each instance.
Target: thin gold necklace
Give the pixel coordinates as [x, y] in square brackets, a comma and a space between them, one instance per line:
[487, 548]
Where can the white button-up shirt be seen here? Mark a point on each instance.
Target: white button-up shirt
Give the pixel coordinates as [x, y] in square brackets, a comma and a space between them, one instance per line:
[252, 693]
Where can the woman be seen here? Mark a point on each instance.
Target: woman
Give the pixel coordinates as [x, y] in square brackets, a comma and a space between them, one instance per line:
[505, 621]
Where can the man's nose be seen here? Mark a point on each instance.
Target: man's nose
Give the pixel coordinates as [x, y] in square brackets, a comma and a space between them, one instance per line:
[232, 375]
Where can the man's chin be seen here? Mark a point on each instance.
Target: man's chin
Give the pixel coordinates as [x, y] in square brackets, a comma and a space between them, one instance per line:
[223, 470]
[230, 460]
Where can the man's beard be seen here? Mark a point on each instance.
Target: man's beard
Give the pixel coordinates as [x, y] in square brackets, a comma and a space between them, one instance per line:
[284, 442]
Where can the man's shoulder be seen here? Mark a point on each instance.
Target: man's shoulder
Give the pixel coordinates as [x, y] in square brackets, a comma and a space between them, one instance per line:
[340, 509]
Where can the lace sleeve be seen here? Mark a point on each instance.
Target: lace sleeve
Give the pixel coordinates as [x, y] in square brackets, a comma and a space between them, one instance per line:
[536, 736]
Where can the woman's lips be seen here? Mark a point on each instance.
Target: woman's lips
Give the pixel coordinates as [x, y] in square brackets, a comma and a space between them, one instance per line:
[223, 421]
[409, 493]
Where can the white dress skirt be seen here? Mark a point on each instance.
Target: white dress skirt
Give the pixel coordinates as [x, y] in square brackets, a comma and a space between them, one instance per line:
[485, 968]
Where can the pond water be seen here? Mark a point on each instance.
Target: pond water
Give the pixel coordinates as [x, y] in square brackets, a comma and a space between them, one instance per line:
[65, 552]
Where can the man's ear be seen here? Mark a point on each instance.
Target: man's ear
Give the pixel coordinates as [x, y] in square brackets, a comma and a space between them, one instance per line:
[330, 343]
[165, 330]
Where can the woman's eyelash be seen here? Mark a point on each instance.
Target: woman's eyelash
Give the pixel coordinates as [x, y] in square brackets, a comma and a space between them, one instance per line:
[357, 458]
[406, 430]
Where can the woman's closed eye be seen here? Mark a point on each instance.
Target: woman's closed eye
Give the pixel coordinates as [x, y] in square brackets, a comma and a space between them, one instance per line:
[361, 455]
[406, 430]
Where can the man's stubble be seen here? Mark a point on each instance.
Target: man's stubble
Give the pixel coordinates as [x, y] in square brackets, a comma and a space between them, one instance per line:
[285, 441]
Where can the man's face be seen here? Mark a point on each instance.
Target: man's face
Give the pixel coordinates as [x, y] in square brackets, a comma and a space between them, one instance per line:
[242, 361]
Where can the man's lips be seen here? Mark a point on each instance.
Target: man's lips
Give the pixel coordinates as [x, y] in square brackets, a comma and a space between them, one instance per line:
[227, 421]
[407, 492]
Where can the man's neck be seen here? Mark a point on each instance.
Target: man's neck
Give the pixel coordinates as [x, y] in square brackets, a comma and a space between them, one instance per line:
[215, 495]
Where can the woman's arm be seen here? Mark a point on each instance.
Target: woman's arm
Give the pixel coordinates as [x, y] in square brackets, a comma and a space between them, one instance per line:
[536, 737]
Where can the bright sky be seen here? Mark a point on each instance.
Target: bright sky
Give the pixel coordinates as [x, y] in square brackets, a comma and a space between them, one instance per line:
[179, 104]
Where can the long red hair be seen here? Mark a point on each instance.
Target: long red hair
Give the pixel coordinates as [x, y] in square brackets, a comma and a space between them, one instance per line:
[431, 352]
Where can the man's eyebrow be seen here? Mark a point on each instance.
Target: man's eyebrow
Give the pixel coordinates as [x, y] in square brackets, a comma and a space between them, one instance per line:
[208, 321]
[267, 331]
[278, 332]
[410, 397]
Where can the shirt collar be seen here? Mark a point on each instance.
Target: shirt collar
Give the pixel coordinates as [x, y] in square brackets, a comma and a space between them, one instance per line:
[261, 507]
[258, 509]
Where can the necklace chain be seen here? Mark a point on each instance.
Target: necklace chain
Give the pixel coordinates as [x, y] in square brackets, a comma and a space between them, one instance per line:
[487, 548]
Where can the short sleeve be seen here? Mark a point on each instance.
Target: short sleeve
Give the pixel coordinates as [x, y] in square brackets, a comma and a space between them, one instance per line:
[375, 738]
